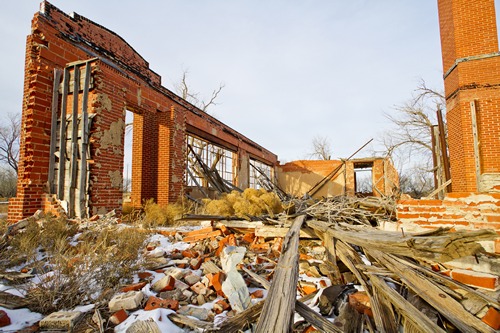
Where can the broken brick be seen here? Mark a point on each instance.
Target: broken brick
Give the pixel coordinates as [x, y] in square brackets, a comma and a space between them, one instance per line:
[259, 293]
[144, 275]
[191, 279]
[199, 288]
[477, 279]
[156, 303]
[4, 319]
[189, 254]
[216, 282]
[195, 263]
[360, 301]
[260, 247]
[307, 288]
[492, 318]
[118, 317]
[221, 306]
[248, 238]
[164, 284]
[310, 329]
[134, 287]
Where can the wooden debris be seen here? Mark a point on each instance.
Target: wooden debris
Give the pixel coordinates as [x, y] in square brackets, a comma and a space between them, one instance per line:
[277, 314]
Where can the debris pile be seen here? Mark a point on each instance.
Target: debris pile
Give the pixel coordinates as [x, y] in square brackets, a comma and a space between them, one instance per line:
[326, 268]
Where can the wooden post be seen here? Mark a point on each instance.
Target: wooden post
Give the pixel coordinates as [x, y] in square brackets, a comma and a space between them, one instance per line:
[475, 135]
[62, 136]
[53, 128]
[85, 143]
[444, 151]
[74, 141]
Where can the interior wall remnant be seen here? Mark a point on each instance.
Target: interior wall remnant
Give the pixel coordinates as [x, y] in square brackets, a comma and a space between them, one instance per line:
[298, 177]
[120, 80]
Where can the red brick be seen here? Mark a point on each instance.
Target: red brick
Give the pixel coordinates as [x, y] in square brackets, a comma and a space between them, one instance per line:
[492, 318]
[118, 317]
[483, 280]
[156, 303]
[144, 275]
[360, 301]
[134, 287]
[4, 319]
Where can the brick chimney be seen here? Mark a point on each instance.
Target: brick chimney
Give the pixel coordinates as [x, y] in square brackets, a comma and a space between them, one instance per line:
[471, 67]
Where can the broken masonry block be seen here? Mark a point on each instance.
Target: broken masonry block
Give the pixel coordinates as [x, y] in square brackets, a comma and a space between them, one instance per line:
[176, 272]
[198, 313]
[134, 287]
[195, 263]
[156, 303]
[221, 306]
[144, 275]
[189, 254]
[200, 300]
[360, 301]
[164, 284]
[191, 279]
[259, 293]
[118, 317]
[477, 279]
[128, 301]
[307, 288]
[492, 318]
[61, 320]
[141, 326]
[181, 285]
[175, 294]
[4, 319]
[199, 288]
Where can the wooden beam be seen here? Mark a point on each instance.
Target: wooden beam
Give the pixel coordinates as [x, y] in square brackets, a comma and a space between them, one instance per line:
[277, 313]
[53, 128]
[74, 141]
[62, 136]
[85, 143]
[476, 143]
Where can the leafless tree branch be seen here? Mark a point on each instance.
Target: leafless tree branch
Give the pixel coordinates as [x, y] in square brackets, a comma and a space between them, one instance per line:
[9, 141]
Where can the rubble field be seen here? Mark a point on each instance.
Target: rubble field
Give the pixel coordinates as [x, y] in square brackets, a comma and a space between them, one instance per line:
[321, 266]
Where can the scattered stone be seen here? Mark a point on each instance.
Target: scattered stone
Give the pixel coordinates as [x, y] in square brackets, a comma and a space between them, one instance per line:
[61, 320]
[127, 301]
[199, 313]
[192, 278]
[164, 284]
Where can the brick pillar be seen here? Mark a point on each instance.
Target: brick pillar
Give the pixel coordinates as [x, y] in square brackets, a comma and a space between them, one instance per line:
[471, 66]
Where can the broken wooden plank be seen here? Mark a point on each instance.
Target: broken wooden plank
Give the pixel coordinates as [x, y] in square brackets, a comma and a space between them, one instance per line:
[11, 301]
[439, 245]
[311, 316]
[273, 232]
[190, 322]
[278, 310]
[404, 307]
[436, 297]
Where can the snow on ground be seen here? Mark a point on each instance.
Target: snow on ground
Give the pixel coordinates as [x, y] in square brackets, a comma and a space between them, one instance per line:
[20, 318]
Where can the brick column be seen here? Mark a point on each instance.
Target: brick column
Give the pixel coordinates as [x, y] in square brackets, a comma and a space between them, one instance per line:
[471, 67]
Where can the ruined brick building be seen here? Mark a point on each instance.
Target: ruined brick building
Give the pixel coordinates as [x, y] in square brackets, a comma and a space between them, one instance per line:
[81, 79]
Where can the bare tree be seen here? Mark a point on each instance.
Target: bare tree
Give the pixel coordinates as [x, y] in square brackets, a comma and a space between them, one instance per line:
[185, 92]
[9, 141]
[8, 182]
[321, 148]
[409, 141]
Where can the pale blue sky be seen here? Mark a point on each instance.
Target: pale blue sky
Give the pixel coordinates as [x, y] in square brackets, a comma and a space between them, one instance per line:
[292, 69]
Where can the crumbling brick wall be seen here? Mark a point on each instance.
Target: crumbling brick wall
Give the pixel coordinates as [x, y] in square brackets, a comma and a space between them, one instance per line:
[298, 177]
[122, 80]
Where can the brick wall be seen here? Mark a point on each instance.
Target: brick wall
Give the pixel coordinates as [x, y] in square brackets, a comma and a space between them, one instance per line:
[472, 74]
[298, 177]
[122, 81]
[459, 210]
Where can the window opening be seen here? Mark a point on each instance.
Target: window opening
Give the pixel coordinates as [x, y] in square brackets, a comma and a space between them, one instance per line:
[257, 181]
[214, 156]
[363, 178]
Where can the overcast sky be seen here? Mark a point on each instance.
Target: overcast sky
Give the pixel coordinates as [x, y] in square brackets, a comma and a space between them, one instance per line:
[292, 69]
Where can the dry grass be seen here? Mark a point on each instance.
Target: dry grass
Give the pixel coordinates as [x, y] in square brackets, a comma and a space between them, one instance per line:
[251, 202]
[73, 266]
[158, 215]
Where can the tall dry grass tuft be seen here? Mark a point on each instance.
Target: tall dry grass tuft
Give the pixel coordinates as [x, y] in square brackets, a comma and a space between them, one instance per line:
[162, 215]
[251, 202]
